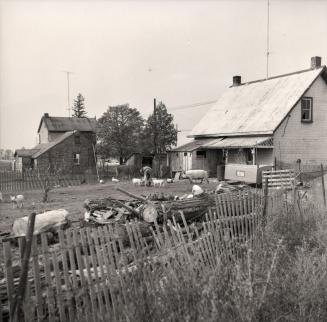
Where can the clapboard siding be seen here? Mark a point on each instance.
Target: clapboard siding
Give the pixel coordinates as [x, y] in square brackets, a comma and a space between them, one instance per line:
[295, 140]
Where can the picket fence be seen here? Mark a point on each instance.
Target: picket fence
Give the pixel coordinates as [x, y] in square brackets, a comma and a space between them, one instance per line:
[34, 180]
[87, 275]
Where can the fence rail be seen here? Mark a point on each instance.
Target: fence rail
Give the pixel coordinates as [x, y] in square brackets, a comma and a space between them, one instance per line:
[34, 180]
[86, 276]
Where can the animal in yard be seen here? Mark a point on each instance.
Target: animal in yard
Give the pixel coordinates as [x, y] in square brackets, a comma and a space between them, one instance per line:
[136, 181]
[197, 175]
[17, 201]
[114, 179]
[158, 182]
[170, 180]
[147, 173]
[196, 190]
[101, 181]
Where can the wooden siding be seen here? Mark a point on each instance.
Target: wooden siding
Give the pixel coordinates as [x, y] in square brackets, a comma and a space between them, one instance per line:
[43, 134]
[61, 155]
[295, 140]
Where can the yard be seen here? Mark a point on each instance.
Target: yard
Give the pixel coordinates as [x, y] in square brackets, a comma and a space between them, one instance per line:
[72, 198]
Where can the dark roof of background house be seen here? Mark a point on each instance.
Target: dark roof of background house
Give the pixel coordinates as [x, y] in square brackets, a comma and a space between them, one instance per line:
[44, 147]
[25, 152]
[64, 124]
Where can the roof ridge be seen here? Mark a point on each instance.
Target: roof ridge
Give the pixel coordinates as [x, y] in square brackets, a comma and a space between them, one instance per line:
[279, 76]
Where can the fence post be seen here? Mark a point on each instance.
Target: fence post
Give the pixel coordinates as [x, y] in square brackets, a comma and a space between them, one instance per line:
[17, 305]
[323, 183]
[265, 202]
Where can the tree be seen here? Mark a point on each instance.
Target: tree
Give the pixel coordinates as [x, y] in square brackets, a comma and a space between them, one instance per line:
[79, 106]
[119, 130]
[160, 134]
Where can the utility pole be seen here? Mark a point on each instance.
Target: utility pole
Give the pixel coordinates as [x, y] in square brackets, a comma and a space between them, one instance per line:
[267, 52]
[68, 91]
[155, 125]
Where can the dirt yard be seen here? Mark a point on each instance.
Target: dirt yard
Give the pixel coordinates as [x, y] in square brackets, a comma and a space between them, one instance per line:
[72, 198]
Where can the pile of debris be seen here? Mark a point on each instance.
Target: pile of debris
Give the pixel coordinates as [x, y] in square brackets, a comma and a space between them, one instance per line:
[155, 207]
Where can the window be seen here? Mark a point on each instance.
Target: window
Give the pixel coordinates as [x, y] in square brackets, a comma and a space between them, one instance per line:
[77, 138]
[76, 158]
[185, 154]
[306, 109]
[201, 154]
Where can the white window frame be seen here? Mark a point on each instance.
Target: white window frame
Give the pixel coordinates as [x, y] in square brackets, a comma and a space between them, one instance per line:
[77, 158]
[309, 108]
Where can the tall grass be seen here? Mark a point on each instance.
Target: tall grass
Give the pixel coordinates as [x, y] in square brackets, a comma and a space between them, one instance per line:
[282, 277]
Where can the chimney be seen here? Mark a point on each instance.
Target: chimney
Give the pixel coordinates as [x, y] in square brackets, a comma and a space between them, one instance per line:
[236, 80]
[315, 62]
[46, 114]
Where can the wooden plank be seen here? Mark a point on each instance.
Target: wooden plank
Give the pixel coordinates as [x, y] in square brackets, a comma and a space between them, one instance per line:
[67, 284]
[93, 291]
[9, 275]
[49, 289]
[37, 282]
[87, 287]
[59, 297]
[103, 279]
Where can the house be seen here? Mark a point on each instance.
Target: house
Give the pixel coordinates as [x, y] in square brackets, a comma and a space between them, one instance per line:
[280, 120]
[66, 144]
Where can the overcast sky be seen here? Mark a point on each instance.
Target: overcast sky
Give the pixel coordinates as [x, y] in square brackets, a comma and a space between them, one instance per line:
[181, 52]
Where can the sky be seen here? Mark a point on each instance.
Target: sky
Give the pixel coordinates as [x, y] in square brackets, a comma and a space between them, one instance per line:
[179, 52]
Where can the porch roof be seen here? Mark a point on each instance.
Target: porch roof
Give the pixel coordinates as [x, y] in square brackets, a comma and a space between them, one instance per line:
[240, 142]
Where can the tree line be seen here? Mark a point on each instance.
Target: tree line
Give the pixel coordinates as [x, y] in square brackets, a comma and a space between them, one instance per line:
[121, 130]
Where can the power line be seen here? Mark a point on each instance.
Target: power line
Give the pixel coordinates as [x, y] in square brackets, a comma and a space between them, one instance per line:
[181, 107]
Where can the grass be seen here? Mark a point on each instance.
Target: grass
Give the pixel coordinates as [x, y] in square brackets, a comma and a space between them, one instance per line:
[282, 278]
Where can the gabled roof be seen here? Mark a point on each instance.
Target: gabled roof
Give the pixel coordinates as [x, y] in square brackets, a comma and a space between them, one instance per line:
[64, 124]
[256, 108]
[44, 147]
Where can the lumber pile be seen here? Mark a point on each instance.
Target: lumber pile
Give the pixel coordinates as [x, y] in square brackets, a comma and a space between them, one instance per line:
[157, 208]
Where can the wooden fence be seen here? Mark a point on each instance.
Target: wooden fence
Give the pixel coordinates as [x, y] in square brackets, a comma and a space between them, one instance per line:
[34, 180]
[279, 178]
[88, 274]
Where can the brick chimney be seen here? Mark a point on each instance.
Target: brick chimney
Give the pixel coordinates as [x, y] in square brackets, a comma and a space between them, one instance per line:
[236, 80]
[46, 114]
[315, 62]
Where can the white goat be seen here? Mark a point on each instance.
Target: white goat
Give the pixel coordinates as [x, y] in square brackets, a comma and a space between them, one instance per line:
[114, 179]
[197, 175]
[136, 181]
[17, 201]
[159, 182]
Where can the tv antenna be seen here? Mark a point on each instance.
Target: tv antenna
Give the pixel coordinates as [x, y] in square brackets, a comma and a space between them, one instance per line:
[267, 52]
[68, 90]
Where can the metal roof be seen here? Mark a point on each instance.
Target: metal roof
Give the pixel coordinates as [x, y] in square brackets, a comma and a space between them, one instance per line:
[64, 124]
[191, 146]
[240, 142]
[255, 108]
[25, 152]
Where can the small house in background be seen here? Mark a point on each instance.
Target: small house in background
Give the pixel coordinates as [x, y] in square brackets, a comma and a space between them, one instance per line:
[278, 121]
[66, 145]
[158, 162]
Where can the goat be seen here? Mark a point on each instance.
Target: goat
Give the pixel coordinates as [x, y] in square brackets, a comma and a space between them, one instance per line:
[17, 200]
[197, 175]
[159, 182]
[137, 181]
[114, 179]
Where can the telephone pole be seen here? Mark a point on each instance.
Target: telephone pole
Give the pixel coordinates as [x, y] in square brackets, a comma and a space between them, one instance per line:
[68, 91]
[267, 53]
[155, 125]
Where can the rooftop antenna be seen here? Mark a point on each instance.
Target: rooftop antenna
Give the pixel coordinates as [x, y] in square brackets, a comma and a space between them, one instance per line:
[267, 52]
[68, 90]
